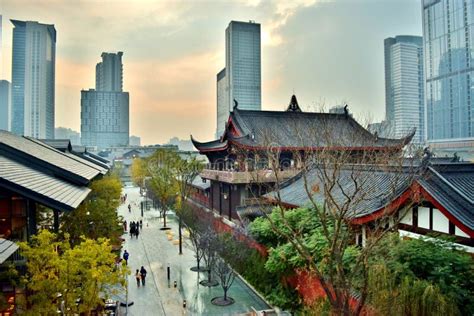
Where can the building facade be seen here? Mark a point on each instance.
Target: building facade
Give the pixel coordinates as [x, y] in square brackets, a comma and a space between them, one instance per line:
[241, 79]
[33, 79]
[104, 118]
[109, 73]
[404, 85]
[448, 32]
[5, 105]
[135, 141]
[223, 106]
[243, 64]
[105, 110]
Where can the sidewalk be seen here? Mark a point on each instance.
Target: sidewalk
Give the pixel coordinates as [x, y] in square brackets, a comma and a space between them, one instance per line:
[155, 252]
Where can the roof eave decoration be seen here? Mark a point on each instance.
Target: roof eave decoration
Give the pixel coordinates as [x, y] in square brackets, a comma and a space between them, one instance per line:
[215, 145]
[293, 106]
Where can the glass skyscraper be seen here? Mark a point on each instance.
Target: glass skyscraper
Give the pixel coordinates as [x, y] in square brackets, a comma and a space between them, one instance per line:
[404, 86]
[105, 110]
[448, 33]
[33, 76]
[5, 105]
[242, 79]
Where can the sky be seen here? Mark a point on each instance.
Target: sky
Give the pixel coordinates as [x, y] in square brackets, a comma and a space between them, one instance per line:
[325, 52]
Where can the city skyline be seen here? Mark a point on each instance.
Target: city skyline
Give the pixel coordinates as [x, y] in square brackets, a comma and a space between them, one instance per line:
[173, 85]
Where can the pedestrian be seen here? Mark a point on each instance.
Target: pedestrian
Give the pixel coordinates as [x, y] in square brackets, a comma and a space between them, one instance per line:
[129, 208]
[136, 231]
[143, 274]
[141, 224]
[125, 256]
[132, 229]
[125, 226]
[138, 276]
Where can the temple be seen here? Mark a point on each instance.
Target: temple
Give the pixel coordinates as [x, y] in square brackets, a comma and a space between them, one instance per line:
[242, 164]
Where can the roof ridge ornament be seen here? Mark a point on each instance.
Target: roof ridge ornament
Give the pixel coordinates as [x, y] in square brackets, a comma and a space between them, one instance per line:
[346, 110]
[236, 104]
[293, 106]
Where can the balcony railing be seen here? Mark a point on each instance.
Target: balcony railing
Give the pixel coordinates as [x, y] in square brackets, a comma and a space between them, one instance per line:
[234, 175]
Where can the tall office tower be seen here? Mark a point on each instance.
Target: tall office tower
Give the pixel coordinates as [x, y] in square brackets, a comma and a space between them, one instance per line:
[448, 32]
[33, 74]
[404, 86]
[5, 109]
[243, 80]
[222, 103]
[108, 73]
[105, 111]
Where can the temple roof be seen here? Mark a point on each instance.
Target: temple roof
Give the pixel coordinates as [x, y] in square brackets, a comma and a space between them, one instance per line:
[294, 129]
[450, 185]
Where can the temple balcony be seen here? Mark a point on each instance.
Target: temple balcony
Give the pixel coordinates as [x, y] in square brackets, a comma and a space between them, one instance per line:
[236, 176]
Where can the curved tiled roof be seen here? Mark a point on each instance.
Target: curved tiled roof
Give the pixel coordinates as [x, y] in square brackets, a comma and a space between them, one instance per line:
[304, 129]
[33, 151]
[41, 186]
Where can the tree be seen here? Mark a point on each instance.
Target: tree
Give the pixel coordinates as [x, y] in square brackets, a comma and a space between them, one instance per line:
[73, 279]
[335, 184]
[186, 172]
[97, 216]
[163, 182]
[139, 171]
[209, 245]
[195, 228]
[226, 276]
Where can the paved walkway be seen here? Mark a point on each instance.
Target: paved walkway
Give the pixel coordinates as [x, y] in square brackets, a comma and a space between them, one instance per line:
[155, 250]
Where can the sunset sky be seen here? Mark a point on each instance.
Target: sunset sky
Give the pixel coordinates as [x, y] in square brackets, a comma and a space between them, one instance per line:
[327, 52]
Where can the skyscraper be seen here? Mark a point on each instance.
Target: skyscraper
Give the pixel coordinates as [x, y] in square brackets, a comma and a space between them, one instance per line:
[222, 103]
[404, 86]
[242, 80]
[33, 76]
[5, 109]
[108, 73]
[448, 32]
[105, 110]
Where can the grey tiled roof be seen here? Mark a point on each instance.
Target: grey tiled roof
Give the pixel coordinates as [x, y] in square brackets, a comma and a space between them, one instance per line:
[7, 248]
[59, 144]
[294, 129]
[304, 129]
[41, 186]
[451, 185]
[453, 190]
[197, 182]
[32, 150]
[376, 189]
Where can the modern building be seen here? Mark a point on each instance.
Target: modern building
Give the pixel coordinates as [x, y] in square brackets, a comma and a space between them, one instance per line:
[448, 32]
[5, 105]
[104, 118]
[223, 106]
[109, 72]
[404, 85]
[105, 110]
[67, 133]
[33, 78]
[242, 75]
[135, 141]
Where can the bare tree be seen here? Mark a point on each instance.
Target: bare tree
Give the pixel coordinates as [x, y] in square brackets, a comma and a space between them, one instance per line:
[209, 245]
[226, 276]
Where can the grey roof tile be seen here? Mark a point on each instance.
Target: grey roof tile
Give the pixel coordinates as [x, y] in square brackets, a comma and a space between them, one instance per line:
[40, 186]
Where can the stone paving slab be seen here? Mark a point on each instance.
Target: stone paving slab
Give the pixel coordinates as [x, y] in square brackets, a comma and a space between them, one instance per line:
[155, 251]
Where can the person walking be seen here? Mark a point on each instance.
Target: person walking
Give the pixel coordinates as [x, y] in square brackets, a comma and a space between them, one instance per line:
[143, 275]
[138, 276]
[125, 256]
[129, 208]
[137, 231]
[132, 229]
[141, 224]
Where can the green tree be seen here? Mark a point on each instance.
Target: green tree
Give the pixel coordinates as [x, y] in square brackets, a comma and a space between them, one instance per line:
[139, 171]
[164, 182]
[97, 216]
[74, 279]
